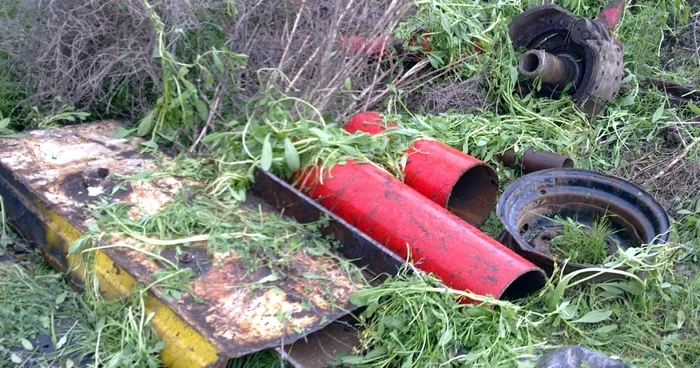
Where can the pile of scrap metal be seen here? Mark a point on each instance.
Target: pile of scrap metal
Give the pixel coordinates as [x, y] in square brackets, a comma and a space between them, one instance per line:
[552, 188]
[461, 255]
[562, 54]
[430, 218]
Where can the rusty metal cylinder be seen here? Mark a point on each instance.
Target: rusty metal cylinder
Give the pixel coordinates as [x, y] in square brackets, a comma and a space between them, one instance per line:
[466, 186]
[404, 221]
[551, 69]
[533, 160]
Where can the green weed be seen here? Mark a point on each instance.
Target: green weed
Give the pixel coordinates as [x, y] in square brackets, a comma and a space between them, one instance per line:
[581, 244]
[81, 329]
[264, 359]
[416, 321]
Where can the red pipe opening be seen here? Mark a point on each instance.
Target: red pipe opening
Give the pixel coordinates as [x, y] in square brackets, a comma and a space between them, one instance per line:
[403, 220]
[465, 185]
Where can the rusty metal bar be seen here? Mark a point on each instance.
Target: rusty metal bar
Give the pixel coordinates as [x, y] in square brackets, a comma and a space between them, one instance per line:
[355, 245]
[533, 160]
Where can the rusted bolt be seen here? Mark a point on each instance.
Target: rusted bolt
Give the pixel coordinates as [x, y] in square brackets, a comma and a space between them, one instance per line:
[96, 177]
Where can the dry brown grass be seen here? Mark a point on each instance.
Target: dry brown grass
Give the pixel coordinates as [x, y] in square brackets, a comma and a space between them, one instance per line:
[97, 54]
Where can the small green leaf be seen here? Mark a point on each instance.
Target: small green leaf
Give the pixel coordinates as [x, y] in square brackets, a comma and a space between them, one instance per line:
[15, 358]
[393, 322]
[217, 62]
[15, 135]
[269, 278]
[62, 341]
[658, 114]
[360, 298]
[201, 108]
[680, 319]
[348, 84]
[694, 108]
[446, 338]
[606, 329]
[150, 144]
[61, 298]
[594, 316]
[4, 123]
[70, 364]
[320, 134]
[149, 317]
[266, 157]
[77, 246]
[513, 74]
[122, 132]
[26, 344]
[183, 71]
[146, 124]
[191, 88]
[376, 353]
[313, 276]
[158, 347]
[352, 359]
[141, 176]
[291, 156]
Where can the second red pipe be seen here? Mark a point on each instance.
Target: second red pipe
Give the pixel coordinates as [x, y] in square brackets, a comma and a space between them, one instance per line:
[464, 185]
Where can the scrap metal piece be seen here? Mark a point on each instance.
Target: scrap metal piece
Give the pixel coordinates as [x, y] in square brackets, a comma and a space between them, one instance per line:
[41, 178]
[564, 49]
[529, 206]
[676, 93]
[533, 160]
[611, 14]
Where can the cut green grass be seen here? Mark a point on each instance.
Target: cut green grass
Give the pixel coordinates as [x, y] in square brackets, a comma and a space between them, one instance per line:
[45, 323]
[260, 238]
[580, 243]
[413, 321]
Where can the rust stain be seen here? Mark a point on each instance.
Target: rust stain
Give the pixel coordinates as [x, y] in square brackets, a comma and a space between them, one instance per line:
[236, 318]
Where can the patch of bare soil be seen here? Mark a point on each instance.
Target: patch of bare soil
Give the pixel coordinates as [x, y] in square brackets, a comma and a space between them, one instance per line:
[679, 169]
[461, 96]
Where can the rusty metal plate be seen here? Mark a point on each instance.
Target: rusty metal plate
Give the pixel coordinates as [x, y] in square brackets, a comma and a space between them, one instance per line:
[39, 178]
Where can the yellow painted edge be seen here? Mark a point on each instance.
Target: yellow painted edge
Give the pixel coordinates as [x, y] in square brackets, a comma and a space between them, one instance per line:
[185, 347]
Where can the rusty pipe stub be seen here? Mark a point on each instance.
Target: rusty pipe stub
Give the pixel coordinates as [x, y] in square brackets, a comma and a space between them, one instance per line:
[582, 52]
[549, 68]
[533, 160]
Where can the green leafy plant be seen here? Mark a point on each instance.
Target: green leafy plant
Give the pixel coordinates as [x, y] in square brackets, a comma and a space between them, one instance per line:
[84, 329]
[580, 243]
[180, 108]
[66, 113]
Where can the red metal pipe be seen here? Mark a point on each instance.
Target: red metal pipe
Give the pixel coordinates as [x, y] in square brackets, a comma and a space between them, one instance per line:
[402, 219]
[374, 46]
[380, 46]
[464, 185]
